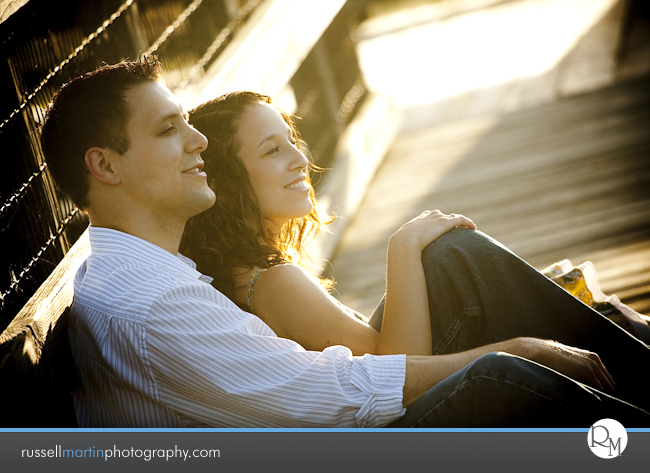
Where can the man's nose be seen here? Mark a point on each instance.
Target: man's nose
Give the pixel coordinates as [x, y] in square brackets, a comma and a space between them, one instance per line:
[196, 142]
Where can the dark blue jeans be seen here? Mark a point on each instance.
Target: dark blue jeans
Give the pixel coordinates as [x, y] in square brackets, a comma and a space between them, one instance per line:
[480, 293]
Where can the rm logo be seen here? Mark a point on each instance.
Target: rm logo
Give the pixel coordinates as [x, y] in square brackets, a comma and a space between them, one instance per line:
[607, 438]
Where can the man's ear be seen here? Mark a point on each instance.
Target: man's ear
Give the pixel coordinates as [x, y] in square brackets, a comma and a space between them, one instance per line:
[100, 164]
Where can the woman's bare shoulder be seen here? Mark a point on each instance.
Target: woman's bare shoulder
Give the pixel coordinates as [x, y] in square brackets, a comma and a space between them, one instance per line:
[286, 275]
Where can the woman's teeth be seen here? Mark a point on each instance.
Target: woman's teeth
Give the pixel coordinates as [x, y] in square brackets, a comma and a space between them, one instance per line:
[297, 185]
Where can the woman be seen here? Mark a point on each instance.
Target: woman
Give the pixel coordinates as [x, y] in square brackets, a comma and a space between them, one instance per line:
[448, 289]
[252, 241]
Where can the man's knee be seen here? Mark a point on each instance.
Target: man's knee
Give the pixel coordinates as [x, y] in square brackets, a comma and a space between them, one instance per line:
[506, 368]
[503, 367]
[497, 364]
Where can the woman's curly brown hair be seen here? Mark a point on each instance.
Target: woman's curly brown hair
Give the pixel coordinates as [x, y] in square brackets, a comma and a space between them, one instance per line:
[232, 233]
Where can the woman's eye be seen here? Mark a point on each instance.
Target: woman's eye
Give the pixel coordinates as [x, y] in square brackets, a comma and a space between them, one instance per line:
[169, 130]
[273, 150]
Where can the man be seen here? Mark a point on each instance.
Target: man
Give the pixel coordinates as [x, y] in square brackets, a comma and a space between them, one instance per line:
[156, 346]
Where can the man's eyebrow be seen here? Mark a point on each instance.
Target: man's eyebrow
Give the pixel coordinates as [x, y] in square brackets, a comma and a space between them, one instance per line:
[168, 116]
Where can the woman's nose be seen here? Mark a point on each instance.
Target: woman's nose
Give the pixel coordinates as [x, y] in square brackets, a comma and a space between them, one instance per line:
[299, 160]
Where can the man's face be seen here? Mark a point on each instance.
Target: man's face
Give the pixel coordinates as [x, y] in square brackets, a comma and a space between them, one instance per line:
[162, 170]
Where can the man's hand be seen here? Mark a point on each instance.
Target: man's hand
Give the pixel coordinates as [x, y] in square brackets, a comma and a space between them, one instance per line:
[581, 365]
[423, 372]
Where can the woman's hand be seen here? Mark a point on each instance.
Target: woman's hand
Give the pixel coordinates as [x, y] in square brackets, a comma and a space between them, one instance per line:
[428, 226]
[581, 365]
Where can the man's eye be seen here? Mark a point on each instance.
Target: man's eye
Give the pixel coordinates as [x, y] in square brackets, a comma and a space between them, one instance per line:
[169, 130]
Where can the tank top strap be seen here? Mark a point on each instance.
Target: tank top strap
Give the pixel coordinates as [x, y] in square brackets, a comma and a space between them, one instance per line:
[251, 285]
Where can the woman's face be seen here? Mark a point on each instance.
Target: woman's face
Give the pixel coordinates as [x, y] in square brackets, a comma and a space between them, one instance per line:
[276, 167]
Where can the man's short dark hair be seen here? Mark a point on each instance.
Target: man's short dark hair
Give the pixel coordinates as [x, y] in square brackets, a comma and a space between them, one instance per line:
[89, 111]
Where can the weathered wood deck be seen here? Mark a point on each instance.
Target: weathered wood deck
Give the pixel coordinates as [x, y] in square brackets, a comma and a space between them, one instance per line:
[570, 179]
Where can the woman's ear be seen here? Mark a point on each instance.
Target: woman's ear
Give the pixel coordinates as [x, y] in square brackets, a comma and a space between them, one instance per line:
[100, 163]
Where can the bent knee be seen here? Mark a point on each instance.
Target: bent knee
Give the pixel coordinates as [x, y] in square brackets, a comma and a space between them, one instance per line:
[499, 360]
[462, 241]
[504, 367]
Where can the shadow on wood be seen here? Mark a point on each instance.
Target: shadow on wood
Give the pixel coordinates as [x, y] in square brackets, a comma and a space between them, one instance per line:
[37, 378]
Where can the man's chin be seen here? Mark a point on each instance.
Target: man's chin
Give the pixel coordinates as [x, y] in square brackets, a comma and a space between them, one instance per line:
[204, 202]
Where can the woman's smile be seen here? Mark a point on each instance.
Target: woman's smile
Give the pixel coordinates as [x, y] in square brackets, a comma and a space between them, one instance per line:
[276, 167]
[299, 184]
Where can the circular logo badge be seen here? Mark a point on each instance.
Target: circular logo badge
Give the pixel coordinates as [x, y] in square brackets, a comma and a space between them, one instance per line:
[607, 438]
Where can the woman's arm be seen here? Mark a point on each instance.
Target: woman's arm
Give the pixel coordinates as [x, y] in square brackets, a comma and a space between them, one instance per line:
[406, 325]
[295, 305]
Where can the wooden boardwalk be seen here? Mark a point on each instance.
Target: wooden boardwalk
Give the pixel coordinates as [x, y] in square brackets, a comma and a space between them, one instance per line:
[569, 179]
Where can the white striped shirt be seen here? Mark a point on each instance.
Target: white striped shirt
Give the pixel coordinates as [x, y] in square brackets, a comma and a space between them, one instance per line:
[155, 345]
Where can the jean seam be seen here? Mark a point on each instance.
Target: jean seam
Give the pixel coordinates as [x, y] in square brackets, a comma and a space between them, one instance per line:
[456, 327]
[451, 334]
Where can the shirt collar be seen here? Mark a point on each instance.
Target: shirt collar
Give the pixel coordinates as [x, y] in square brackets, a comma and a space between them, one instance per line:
[114, 243]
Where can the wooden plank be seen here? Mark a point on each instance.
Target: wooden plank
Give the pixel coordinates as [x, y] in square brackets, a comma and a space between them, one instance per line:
[35, 357]
[44, 308]
[588, 177]
[570, 179]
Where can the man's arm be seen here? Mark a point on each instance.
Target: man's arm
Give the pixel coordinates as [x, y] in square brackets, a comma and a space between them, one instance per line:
[221, 366]
[424, 372]
[215, 365]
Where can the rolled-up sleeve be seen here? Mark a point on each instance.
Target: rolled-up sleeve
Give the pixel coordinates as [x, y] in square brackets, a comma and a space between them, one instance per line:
[381, 378]
[214, 365]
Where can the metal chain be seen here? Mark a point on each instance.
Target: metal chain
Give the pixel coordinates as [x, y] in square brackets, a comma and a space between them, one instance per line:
[58, 68]
[29, 266]
[171, 28]
[19, 193]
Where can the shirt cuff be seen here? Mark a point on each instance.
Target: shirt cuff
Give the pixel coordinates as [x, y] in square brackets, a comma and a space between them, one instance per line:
[382, 379]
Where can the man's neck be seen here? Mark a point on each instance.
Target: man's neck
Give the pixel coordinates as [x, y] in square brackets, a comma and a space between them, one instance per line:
[166, 235]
